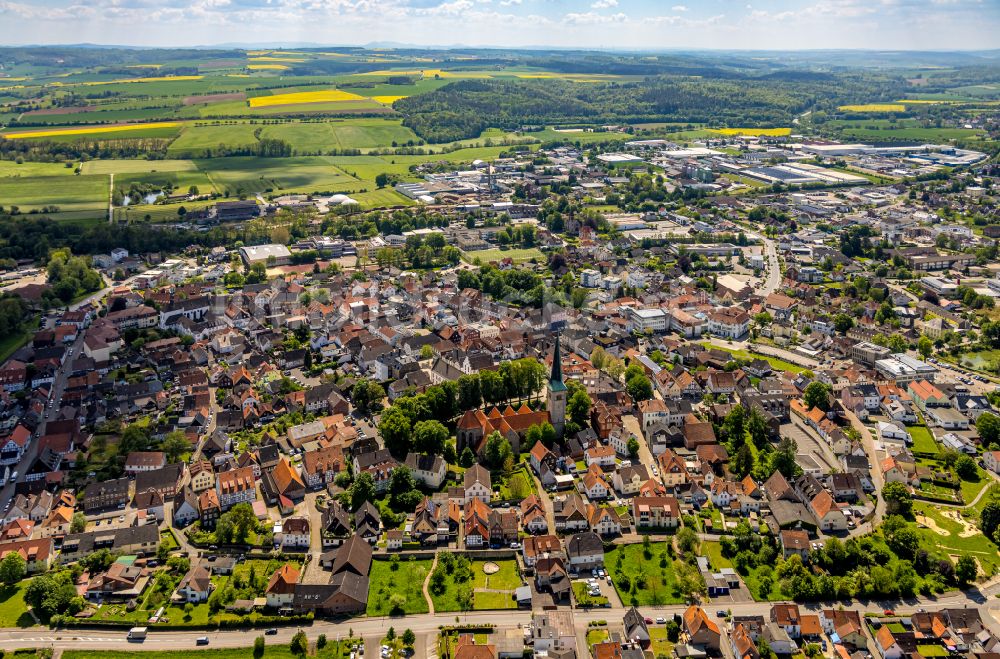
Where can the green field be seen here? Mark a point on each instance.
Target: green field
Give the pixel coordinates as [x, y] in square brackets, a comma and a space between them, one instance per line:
[490, 255]
[648, 584]
[947, 536]
[923, 440]
[407, 580]
[136, 166]
[333, 650]
[72, 193]
[278, 175]
[360, 133]
[13, 610]
[776, 363]
[11, 169]
[197, 139]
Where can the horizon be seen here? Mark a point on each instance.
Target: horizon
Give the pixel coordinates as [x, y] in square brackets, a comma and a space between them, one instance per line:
[608, 25]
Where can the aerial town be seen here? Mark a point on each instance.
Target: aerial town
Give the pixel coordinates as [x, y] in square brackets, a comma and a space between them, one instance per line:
[719, 395]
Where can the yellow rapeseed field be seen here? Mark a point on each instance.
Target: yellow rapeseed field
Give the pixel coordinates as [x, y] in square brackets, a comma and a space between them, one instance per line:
[263, 58]
[760, 132]
[87, 130]
[874, 107]
[296, 98]
[267, 67]
[387, 100]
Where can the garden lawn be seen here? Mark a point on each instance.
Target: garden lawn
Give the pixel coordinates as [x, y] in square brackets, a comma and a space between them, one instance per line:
[659, 644]
[517, 486]
[506, 579]
[13, 610]
[581, 593]
[713, 551]
[493, 601]
[596, 635]
[659, 585]
[923, 440]
[406, 580]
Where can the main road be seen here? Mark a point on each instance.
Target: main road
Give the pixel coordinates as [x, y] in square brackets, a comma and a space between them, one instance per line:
[427, 625]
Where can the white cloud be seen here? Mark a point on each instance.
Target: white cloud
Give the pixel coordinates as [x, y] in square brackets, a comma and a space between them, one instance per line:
[678, 8]
[604, 4]
[593, 18]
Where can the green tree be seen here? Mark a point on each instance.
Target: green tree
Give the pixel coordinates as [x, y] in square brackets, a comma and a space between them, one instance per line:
[842, 323]
[633, 446]
[966, 570]
[578, 407]
[409, 638]
[174, 445]
[989, 518]
[817, 394]
[362, 490]
[396, 430]
[258, 647]
[367, 395]
[299, 644]
[497, 450]
[429, 437]
[966, 469]
[79, 523]
[13, 567]
[742, 463]
[639, 387]
[897, 497]
[988, 426]
[925, 346]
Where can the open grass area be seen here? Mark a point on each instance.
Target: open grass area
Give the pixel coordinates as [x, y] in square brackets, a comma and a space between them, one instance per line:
[517, 486]
[507, 579]
[939, 528]
[350, 133]
[517, 255]
[11, 169]
[390, 581]
[713, 551]
[136, 166]
[13, 610]
[333, 650]
[278, 175]
[873, 107]
[923, 440]
[73, 193]
[196, 140]
[642, 580]
[658, 643]
[775, 362]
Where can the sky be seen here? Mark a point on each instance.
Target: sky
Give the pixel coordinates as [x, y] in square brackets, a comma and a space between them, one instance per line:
[606, 24]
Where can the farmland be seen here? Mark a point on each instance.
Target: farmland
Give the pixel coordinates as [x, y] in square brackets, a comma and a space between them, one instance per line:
[873, 107]
[76, 193]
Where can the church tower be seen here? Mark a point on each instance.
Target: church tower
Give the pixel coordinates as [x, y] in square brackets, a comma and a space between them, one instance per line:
[557, 393]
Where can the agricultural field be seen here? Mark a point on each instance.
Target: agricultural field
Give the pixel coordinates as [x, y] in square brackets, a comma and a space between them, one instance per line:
[278, 175]
[196, 140]
[873, 107]
[358, 133]
[153, 129]
[12, 169]
[755, 132]
[69, 193]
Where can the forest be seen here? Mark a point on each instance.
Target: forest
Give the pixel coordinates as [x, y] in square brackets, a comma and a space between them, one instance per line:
[463, 109]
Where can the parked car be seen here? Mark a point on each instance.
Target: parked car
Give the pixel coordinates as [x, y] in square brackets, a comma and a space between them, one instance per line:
[272, 631]
[201, 640]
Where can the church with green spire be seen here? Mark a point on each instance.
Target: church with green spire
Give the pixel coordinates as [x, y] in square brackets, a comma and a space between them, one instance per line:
[557, 393]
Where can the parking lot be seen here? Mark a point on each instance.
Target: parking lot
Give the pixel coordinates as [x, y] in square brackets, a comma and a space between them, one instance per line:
[810, 443]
